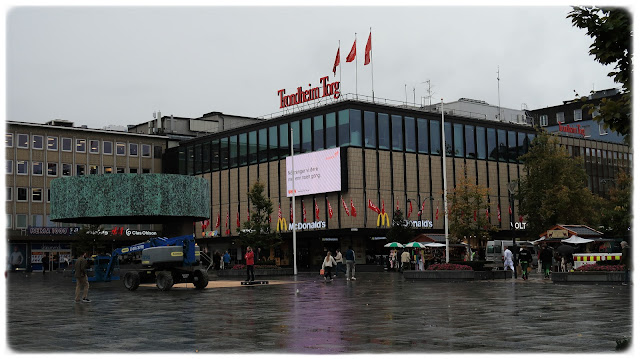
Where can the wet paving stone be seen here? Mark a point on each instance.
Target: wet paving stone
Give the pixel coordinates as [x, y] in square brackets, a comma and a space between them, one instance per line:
[377, 313]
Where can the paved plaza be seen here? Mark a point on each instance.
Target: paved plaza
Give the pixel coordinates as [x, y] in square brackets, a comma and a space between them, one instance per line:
[377, 313]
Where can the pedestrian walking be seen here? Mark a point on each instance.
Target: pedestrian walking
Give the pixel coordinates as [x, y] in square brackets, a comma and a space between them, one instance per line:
[249, 262]
[350, 256]
[625, 260]
[82, 280]
[340, 264]
[226, 259]
[216, 260]
[45, 263]
[508, 261]
[328, 264]
[525, 259]
[406, 260]
[546, 258]
[16, 259]
[420, 260]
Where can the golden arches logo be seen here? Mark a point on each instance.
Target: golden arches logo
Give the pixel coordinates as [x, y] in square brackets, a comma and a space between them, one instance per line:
[281, 225]
[382, 218]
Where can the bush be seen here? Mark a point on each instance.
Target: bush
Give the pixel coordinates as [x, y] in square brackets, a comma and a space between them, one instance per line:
[449, 266]
[475, 265]
[597, 267]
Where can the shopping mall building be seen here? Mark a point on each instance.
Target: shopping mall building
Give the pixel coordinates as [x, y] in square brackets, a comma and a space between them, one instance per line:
[350, 153]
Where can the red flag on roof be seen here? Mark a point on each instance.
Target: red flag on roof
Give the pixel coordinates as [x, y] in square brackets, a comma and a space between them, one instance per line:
[367, 51]
[336, 62]
[352, 53]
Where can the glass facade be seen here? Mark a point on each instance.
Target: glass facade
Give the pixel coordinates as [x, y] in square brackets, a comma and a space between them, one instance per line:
[383, 131]
[318, 133]
[435, 135]
[369, 129]
[410, 134]
[396, 132]
[423, 136]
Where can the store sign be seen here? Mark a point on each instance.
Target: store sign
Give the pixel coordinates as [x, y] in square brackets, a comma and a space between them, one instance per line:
[315, 93]
[121, 231]
[519, 225]
[282, 225]
[570, 129]
[48, 231]
[418, 224]
[329, 239]
[558, 233]
[210, 234]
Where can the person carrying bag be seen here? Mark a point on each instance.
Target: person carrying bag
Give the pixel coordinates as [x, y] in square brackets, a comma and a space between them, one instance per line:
[328, 264]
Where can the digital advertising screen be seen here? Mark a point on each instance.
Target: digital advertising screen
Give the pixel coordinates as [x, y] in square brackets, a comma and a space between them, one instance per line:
[315, 172]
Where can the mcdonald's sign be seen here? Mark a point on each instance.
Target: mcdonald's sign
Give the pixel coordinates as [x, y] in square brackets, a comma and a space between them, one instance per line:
[281, 225]
[382, 219]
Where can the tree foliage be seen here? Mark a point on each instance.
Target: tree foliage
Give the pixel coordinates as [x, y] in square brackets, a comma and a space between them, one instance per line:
[611, 31]
[257, 231]
[554, 190]
[616, 212]
[401, 230]
[467, 199]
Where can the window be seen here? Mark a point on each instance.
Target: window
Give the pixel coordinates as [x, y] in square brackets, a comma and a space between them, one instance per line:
[119, 169]
[318, 133]
[23, 140]
[521, 143]
[190, 160]
[66, 144]
[23, 167]
[37, 169]
[602, 130]
[369, 129]
[284, 140]
[9, 224]
[448, 139]
[120, 149]
[502, 146]
[544, 120]
[80, 170]
[198, 158]
[410, 134]
[9, 167]
[233, 151]
[306, 135]
[49, 222]
[36, 220]
[215, 155]
[146, 150]
[481, 144]
[330, 119]
[560, 117]
[273, 143]
[423, 136]
[513, 147]
[469, 141]
[93, 170]
[38, 142]
[157, 151]
[8, 139]
[22, 194]
[133, 170]
[94, 146]
[355, 127]
[458, 142]
[49, 195]
[52, 143]
[21, 221]
[343, 128]
[81, 145]
[262, 145]
[66, 169]
[295, 127]
[107, 170]
[36, 195]
[224, 153]
[146, 170]
[435, 135]
[577, 114]
[206, 158]
[133, 149]
[396, 132]
[383, 131]
[9, 193]
[107, 147]
[52, 169]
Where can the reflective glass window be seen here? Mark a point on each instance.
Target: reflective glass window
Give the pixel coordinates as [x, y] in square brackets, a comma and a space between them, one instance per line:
[253, 147]
[410, 134]
[355, 127]
[318, 133]
[513, 146]
[521, 140]
[284, 140]
[502, 146]
[198, 158]
[469, 141]
[273, 143]
[481, 145]
[458, 140]
[492, 149]
[423, 136]
[448, 139]
[224, 153]
[306, 135]
[244, 146]
[396, 132]
[233, 151]
[343, 128]
[369, 129]
[331, 130]
[262, 145]
[435, 135]
[215, 155]
[206, 157]
[295, 126]
[383, 131]
[190, 158]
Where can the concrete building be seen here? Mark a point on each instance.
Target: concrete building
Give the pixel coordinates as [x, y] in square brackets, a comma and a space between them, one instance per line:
[482, 110]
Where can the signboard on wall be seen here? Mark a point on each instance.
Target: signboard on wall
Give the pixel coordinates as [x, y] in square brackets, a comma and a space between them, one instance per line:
[315, 172]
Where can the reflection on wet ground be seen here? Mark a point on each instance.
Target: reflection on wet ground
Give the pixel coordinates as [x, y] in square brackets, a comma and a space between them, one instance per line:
[377, 313]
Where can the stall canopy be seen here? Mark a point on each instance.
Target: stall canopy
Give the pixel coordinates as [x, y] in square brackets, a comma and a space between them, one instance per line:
[577, 240]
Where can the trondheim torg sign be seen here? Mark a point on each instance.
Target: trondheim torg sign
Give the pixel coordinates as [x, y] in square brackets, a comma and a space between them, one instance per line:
[328, 89]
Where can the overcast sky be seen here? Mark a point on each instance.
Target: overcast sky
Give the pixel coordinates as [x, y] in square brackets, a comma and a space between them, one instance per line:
[117, 65]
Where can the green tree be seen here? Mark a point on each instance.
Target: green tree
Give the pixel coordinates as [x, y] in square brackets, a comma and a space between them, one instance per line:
[257, 231]
[401, 230]
[611, 31]
[616, 212]
[554, 190]
[468, 205]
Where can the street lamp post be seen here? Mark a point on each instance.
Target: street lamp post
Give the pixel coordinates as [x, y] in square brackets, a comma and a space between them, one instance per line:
[512, 216]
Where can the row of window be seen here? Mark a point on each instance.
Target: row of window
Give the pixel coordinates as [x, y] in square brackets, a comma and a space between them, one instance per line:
[37, 143]
[577, 116]
[23, 194]
[66, 169]
[354, 128]
[38, 220]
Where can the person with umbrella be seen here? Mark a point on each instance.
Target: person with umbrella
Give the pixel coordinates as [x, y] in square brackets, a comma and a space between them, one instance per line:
[565, 252]
[406, 259]
[525, 258]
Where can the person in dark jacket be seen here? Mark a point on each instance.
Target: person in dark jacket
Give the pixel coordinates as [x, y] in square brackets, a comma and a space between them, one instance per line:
[546, 257]
[626, 261]
[82, 280]
[525, 259]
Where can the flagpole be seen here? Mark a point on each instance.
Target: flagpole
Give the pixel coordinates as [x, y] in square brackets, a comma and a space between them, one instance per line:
[373, 97]
[340, 64]
[444, 179]
[356, 41]
[293, 191]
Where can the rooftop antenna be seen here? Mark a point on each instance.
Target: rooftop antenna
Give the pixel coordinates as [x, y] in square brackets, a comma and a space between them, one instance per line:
[499, 117]
[429, 93]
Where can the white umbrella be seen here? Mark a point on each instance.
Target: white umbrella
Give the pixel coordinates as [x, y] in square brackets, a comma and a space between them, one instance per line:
[577, 240]
[394, 245]
[414, 245]
[435, 245]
